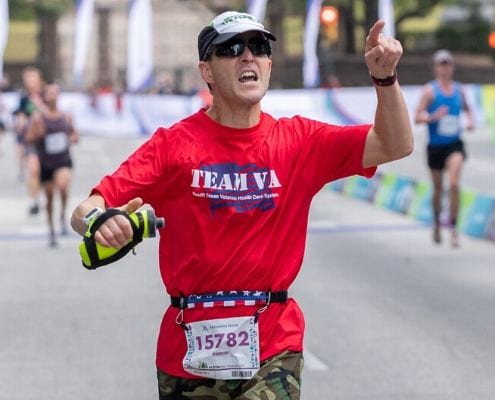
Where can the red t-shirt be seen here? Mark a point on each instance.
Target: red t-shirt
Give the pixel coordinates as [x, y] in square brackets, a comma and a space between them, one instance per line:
[236, 204]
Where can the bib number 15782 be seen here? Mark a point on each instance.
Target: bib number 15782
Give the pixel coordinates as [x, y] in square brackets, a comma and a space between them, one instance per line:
[226, 348]
[230, 339]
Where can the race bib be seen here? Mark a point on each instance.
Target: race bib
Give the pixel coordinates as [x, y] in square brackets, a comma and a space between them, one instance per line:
[226, 348]
[448, 125]
[56, 143]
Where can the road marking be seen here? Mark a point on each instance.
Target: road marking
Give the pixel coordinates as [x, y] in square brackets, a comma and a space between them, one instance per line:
[34, 236]
[313, 363]
[333, 227]
[41, 232]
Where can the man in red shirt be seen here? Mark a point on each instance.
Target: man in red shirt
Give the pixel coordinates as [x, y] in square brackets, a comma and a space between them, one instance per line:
[235, 187]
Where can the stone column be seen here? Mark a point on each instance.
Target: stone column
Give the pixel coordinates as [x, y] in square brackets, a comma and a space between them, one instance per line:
[275, 14]
[104, 75]
[48, 55]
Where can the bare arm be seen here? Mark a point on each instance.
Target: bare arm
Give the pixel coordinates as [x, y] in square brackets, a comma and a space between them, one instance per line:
[82, 209]
[20, 121]
[469, 112]
[36, 128]
[116, 231]
[422, 116]
[391, 137]
[73, 134]
[37, 100]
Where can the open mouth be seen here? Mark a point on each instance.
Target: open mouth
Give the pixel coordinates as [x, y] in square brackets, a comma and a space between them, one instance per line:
[248, 76]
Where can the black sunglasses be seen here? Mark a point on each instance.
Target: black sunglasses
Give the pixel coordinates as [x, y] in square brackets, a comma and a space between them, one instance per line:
[235, 47]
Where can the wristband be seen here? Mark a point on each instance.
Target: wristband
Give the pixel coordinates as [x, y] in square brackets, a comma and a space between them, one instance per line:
[388, 81]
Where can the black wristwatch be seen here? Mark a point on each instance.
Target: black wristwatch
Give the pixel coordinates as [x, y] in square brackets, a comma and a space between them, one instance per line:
[388, 81]
[92, 215]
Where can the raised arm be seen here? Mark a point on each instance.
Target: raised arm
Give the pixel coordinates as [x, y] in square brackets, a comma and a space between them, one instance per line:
[73, 134]
[36, 128]
[391, 137]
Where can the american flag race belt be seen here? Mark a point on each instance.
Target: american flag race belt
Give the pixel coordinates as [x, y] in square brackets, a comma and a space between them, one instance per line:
[228, 299]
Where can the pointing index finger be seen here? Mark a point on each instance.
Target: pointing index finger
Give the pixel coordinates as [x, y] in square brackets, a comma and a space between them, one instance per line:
[375, 32]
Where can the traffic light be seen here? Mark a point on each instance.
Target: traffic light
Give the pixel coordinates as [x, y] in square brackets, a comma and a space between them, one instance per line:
[329, 17]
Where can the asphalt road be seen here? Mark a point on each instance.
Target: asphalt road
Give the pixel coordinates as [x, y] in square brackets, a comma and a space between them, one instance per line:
[389, 315]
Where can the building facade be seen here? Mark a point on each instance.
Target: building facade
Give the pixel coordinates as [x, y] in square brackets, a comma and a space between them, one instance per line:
[176, 24]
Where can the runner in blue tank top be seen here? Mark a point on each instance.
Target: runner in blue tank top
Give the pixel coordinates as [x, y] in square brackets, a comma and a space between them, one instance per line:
[441, 105]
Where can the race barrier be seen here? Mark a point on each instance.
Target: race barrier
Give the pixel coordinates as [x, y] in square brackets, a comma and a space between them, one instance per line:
[487, 104]
[410, 197]
[124, 114]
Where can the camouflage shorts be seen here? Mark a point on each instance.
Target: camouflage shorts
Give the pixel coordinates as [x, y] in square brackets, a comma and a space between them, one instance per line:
[279, 378]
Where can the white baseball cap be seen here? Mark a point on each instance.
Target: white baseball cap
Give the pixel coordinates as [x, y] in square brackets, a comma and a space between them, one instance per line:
[443, 56]
[227, 25]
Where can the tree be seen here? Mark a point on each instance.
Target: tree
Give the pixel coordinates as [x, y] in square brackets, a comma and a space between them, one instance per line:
[46, 13]
[21, 10]
[405, 9]
[467, 35]
[357, 16]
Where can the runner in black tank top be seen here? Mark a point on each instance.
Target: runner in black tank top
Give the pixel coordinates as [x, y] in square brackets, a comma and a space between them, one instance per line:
[53, 133]
[54, 147]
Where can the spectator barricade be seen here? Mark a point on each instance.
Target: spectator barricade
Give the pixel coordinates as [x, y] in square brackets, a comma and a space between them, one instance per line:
[413, 198]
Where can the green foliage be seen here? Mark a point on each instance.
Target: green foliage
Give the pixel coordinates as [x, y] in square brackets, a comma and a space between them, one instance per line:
[21, 10]
[29, 9]
[470, 36]
[52, 7]
[296, 6]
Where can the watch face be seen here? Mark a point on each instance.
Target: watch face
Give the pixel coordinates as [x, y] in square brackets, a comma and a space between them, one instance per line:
[94, 212]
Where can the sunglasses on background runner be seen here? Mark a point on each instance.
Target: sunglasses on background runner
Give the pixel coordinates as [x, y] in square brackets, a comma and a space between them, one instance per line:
[234, 48]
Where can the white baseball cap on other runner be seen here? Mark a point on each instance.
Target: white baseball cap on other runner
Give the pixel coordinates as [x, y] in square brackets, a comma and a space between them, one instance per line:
[443, 56]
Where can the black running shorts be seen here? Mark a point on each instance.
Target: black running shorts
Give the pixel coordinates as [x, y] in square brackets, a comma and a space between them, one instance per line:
[437, 155]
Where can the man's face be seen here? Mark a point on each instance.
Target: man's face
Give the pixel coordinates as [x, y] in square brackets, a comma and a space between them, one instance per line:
[444, 69]
[51, 93]
[243, 78]
[32, 81]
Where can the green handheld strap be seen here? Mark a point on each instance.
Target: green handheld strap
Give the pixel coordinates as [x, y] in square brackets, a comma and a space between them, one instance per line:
[91, 245]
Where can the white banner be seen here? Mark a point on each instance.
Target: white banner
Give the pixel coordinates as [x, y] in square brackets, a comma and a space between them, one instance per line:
[257, 8]
[4, 31]
[82, 34]
[140, 45]
[311, 70]
[386, 12]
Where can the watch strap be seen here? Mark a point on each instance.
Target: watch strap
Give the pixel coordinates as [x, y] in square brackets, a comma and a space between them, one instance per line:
[92, 215]
[388, 81]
